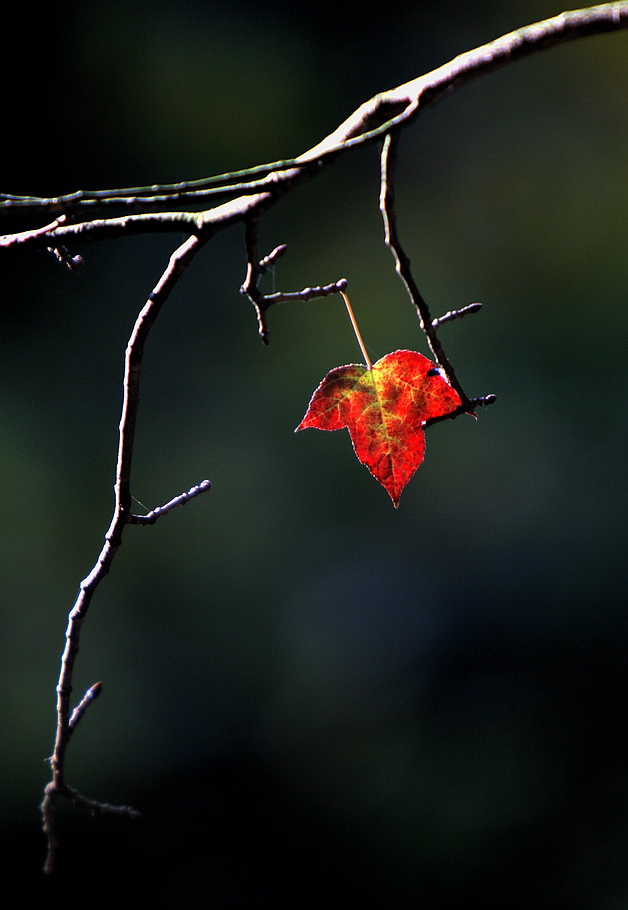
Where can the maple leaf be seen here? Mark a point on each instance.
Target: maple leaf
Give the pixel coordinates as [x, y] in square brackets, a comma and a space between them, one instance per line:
[384, 407]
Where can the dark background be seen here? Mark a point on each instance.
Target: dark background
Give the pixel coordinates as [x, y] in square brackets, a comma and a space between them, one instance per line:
[314, 698]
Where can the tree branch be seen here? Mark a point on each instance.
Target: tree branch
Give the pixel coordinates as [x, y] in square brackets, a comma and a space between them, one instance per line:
[429, 326]
[247, 195]
[374, 119]
[151, 517]
[122, 515]
[90, 696]
[256, 267]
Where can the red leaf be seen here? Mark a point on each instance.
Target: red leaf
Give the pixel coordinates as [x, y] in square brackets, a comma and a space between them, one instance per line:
[384, 409]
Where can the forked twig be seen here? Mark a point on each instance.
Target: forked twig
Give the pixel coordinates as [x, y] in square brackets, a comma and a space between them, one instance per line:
[122, 516]
[428, 325]
[256, 267]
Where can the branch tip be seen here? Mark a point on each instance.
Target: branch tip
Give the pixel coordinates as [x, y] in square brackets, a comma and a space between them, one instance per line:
[180, 500]
[485, 401]
[91, 695]
[272, 256]
[261, 302]
[456, 314]
[403, 269]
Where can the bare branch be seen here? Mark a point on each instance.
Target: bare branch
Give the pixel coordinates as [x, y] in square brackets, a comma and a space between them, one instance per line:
[151, 517]
[144, 198]
[272, 257]
[177, 264]
[247, 196]
[402, 267]
[336, 287]
[482, 402]
[92, 806]
[405, 102]
[375, 118]
[456, 314]
[90, 696]
[256, 267]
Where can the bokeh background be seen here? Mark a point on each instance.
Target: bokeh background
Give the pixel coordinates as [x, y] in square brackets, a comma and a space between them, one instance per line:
[312, 697]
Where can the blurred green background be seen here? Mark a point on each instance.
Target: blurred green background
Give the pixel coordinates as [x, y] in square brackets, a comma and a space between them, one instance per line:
[312, 697]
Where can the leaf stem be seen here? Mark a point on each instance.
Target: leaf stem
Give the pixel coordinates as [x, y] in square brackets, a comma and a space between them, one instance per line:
[354, 323]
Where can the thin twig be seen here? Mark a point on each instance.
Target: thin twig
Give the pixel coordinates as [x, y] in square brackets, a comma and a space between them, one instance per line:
[177, 264]
[403, 269]
[151, 517]
[482, 402]
[146, 197]
[256, 267]
[253, 272]
[91, 805]
[456, 314]
[305, 294]
[90, 696]
[273, 256]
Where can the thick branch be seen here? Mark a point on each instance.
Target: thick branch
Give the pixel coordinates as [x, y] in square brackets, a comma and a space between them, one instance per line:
[373, 119]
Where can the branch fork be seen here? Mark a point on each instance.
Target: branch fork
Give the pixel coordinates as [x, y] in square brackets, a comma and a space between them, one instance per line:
[429, 326]
[122, 516]
[257, 267]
